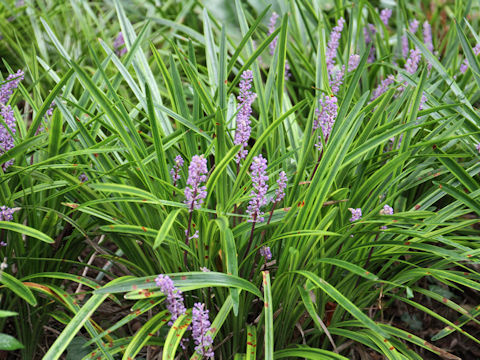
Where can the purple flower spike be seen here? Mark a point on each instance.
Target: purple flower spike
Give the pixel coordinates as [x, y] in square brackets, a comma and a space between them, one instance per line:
[119, 45]
[194, 192]
[333, 43]
[271, 29]
[259, 176]
[353, 62]
[10, 84]
[282, 184]
[385, 83]
[478, 147]
[245, 98]
[411, 65]
[83, 177]
[337, 80]
[175, 171]
[6, 214]
[6, 113]
[174, 297]
[356, 214]
[325, 117]
[385, 15]
[200, 329]
[427, 36]
[266, 253]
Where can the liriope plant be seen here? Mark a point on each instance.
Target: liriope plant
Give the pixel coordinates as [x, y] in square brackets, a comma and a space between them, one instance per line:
[297, 181]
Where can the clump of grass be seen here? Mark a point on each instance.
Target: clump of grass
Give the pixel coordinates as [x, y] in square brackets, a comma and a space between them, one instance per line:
[274, 188]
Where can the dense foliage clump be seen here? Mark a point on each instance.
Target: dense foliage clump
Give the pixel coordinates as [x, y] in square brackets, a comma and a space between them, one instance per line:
[182, 180]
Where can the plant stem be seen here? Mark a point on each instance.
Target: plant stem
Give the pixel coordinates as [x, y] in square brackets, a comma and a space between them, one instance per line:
[187, 236]
[251, 236]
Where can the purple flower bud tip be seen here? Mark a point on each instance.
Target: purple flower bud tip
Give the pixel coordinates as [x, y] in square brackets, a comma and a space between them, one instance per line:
[173, 296]
[271, 29]
[83, 177]
[200, 330]
[260, 187]
[175, 171]
[356, 214]
[333, 43]
[427, 36]
[195, 192]
[353, 62]
[411, 65]
[478, 147]
[282, 184]
[244, 111]
[119, 45]
[266, 253]
[385, 15]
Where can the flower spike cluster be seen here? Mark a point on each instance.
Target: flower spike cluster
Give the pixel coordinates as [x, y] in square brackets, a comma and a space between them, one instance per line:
[175, 171]
[282, 184]
[195, 192]
[384, 84]
[259, 176]
[411, 65]
[174, 297]
[6, 113]
[427, 36]
[333, 43]
[201, 327]
[325, 117]
[353, 62]
[413, 27]
[245, 98]
[271, 29]
[273, 44]
[385, 15]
